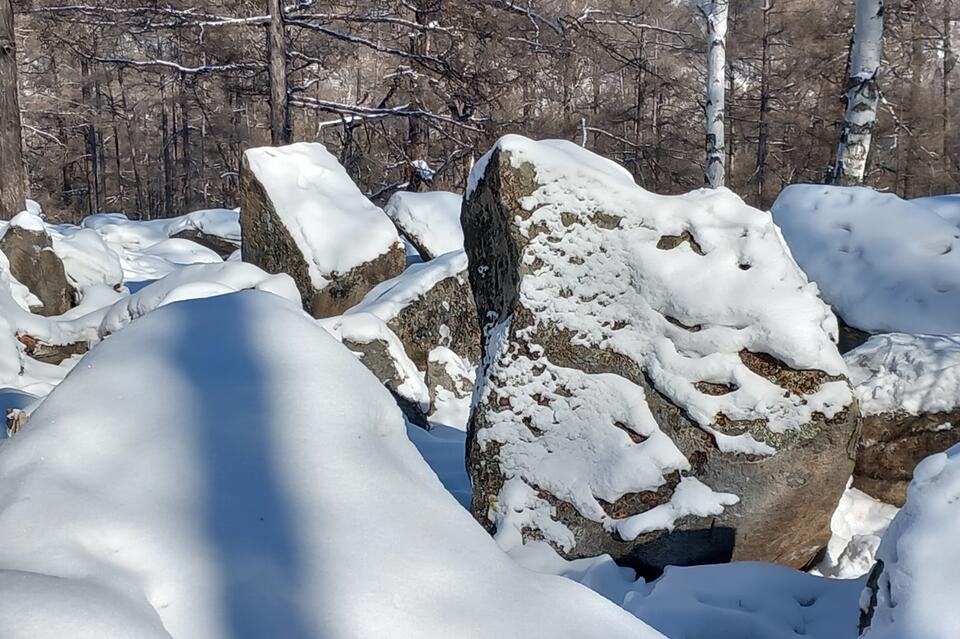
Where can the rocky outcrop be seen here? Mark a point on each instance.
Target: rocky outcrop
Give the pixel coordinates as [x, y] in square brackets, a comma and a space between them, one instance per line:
[429, 305]
[659, 380]
[302, 215]
[33, 263]
[448, 375]
[909, 390]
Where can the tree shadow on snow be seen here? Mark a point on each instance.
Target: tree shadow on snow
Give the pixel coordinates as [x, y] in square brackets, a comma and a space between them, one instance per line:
[248, 517]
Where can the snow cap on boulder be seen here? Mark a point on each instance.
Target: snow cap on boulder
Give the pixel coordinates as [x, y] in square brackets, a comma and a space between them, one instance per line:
[430, 221]
[909, 392]
[302, 214]
[883, 263]
[660, 381]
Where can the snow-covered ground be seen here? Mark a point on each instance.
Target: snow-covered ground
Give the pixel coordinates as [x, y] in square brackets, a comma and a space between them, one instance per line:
[219, 465]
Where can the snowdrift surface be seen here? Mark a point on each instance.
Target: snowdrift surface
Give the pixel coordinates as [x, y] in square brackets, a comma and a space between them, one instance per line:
[915, 596]
[224, 468]
[884, 264]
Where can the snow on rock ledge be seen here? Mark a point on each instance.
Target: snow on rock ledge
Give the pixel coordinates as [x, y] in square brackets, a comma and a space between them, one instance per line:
[301, 214]
[652, 365]
[909, 392]
[912, 592]
[884, 264]
[199, 478]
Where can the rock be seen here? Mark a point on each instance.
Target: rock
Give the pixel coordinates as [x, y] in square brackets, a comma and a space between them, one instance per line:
[659, 381]
[909, 391]
[448, 374]
[382, 353]
[302, 215]
[430, 221]
[50, 353]
[911, 592]
[850, 337]
[29, 250]
[16, 420]
[219, 245]
[429, 305]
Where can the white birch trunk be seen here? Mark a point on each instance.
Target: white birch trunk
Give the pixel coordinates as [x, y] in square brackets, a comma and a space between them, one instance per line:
[715, 13]
[279, 101]
[862, 95]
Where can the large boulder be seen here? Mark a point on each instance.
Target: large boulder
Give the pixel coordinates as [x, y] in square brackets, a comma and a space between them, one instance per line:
[301, 214]
[430, 221]
[659, 380]
[429, 305]
[912, 591]
[909, 392]
[32, 262]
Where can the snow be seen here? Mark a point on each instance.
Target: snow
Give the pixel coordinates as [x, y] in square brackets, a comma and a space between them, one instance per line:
[28, 220]
[333, 224]
[857, 526]
[225, 468]
[915, 374]
[916, 593]
[431, 219]
[388, 298]
[615, 289]
[884, 264]
[946, 206]
[452, 408]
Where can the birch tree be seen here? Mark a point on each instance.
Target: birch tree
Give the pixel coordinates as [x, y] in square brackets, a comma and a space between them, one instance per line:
[862, 95]
[280, 132]
[12, 190]
[715, 12]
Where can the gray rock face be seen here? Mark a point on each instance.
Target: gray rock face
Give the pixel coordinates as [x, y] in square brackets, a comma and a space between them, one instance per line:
[34, 264]
[635, 397]
[382, 361]
[448, 373]
[429, 305]
[267, 242]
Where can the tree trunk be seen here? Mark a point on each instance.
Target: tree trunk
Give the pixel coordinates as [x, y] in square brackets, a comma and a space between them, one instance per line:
[715, 12]
[763, 129]
[280, 132]
[862, 95]
[12, 187]
[418, 134]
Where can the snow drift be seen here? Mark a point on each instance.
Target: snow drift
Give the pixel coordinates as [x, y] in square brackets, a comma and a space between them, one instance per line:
[223, 468]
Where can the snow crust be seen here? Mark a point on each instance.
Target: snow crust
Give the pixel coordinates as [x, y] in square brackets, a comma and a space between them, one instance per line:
[681, 316]
[916, 593]
[884, 264]
[333, 224]
[431, 218]
[224, 468]
[914, 374]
